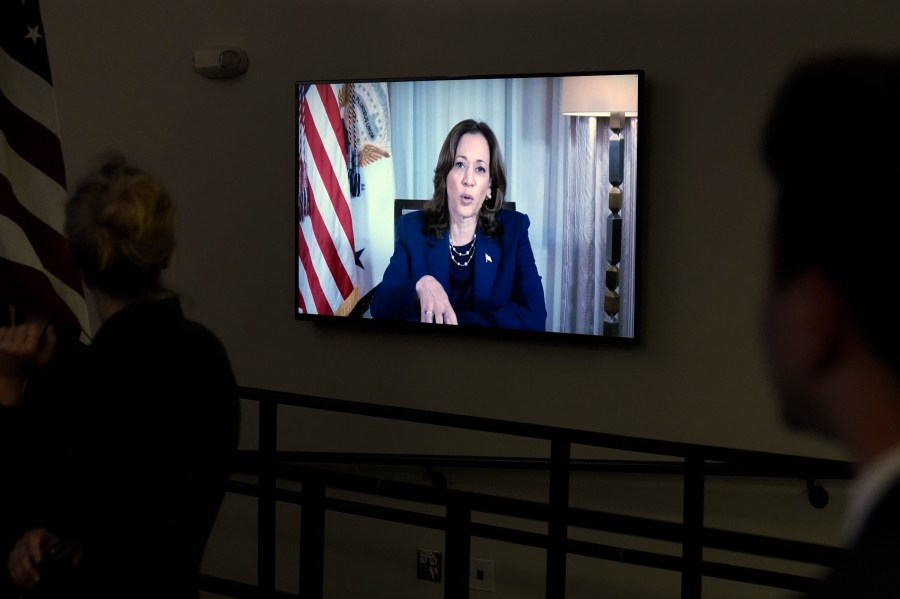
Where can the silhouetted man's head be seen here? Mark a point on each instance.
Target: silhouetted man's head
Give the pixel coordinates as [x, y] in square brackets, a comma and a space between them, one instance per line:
[832, 144]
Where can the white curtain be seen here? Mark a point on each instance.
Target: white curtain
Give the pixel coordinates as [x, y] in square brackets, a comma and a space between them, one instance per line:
[542, 156]
[585, 221]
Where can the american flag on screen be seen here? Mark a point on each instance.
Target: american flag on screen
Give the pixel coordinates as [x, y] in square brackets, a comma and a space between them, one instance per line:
[326, 248]
[37, 273]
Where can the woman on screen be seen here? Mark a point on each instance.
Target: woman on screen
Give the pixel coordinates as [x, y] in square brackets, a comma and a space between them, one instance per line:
[463, 260]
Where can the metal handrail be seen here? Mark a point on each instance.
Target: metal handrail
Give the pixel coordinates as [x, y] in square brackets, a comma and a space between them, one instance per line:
[693, 462]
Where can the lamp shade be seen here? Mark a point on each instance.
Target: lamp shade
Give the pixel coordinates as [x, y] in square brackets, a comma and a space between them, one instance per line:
[600, 95]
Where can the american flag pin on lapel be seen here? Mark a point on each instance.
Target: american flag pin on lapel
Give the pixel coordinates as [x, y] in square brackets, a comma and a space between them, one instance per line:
[487, 258]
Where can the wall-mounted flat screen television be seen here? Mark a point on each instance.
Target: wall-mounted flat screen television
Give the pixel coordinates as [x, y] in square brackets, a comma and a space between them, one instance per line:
[493, 203]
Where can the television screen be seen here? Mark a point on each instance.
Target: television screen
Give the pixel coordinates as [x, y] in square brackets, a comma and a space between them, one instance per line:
[490, 203]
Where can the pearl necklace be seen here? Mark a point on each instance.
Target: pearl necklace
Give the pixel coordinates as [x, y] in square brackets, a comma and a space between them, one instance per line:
[465, 256]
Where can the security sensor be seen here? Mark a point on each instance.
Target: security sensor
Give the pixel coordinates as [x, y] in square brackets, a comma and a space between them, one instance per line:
[220, 62]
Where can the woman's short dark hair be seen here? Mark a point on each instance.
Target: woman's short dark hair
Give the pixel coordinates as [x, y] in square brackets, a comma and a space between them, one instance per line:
[121, 228]
[436, 211]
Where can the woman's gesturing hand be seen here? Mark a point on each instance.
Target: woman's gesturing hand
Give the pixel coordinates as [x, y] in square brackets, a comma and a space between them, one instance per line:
[434, 303]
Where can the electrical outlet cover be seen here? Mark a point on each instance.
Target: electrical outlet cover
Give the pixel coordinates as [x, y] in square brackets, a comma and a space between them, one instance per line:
[481, 575]
[429, 565]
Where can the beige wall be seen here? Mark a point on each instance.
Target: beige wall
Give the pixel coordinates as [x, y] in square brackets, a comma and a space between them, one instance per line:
[123, 76]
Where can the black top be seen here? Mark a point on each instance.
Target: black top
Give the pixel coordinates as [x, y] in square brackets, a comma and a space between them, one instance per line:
[461, 293]
[142, 448]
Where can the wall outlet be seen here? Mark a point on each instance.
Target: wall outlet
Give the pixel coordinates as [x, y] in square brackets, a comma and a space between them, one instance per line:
[481, 575]
[429, 565]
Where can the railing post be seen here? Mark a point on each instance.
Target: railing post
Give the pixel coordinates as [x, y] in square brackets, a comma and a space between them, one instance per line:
[692, 548]
[458, 545]
[557, 525]
[265, 552]
[312, 540]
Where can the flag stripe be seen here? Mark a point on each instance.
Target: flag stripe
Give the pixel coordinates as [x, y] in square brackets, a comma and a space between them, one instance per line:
[329, 252]
[301, 303]
[325, 242]
[330, 165]
[50, 248]
[332, 110]
[328, 229]
[29, 92]
[32, 141]
[22, 266]
[314, 290]
[38, 193]
[322, 286]
[37, 272]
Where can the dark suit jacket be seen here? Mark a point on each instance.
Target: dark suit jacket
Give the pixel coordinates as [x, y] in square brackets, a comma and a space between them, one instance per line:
[507, 286]
[871, 568]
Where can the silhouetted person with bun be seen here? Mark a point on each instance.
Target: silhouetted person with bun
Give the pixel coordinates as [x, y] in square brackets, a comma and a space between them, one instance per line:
[152, 411]
[832, 326]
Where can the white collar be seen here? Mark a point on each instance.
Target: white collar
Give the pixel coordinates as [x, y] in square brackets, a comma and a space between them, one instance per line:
[868, 488]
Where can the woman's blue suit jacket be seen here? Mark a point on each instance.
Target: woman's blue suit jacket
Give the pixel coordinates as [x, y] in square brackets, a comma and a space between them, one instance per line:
[508, 291]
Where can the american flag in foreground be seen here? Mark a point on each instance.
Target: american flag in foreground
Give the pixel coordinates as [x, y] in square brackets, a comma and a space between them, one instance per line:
[326, 249]
[37, 274]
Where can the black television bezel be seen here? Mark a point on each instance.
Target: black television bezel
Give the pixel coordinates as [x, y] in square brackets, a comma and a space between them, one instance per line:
[418, 329]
